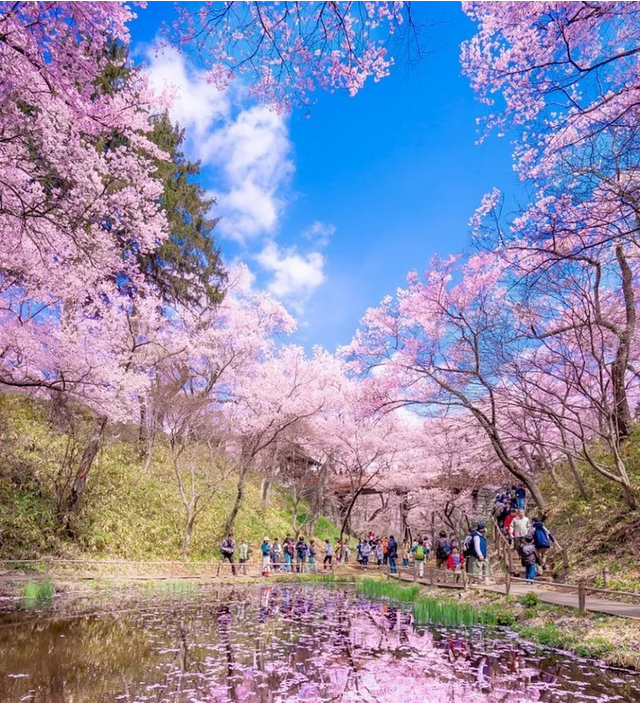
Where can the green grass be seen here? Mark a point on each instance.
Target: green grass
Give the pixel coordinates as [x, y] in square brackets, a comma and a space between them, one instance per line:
[374, 588]
[431, 611]
[38, 594]
[127, 513]
[314, 578]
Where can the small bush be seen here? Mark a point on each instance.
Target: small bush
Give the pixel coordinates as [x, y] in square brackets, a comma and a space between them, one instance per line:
[38, 594]
[530, 600]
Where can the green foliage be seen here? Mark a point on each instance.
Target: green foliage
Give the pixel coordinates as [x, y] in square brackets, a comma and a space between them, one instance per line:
[548, 635]
[38, 594]
[530, 600]
[126, 513]
[450, 613]
[374, 588]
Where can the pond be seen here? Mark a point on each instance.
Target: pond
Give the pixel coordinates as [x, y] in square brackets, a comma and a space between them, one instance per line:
[271, 644]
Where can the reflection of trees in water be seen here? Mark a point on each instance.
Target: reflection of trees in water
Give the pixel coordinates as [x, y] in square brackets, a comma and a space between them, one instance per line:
[264, 647]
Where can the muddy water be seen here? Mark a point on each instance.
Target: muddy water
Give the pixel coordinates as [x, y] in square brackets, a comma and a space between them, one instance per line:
[277, 644]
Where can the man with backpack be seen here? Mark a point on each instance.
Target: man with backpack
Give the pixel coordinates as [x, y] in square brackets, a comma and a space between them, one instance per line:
[443, 549]
[227, 550]
[529, 557]
[288, 553]
[418, 559]
[479, 562]
[301, 554]
[265, 548]
[542, 539]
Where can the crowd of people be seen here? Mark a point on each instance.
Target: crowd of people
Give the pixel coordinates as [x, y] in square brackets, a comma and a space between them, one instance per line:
[530, 538]
[292, 555]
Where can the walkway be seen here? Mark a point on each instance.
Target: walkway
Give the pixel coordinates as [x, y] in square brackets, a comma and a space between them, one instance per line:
[555, 596]
[569, 599]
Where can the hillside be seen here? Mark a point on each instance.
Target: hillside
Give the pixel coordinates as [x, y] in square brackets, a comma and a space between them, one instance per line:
[599, 533]
[126, 513]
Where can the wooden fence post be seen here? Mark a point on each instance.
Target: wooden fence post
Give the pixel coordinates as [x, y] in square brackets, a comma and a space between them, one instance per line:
[605, 578]
[507, 584]
[582, 597]
[510, 556]
[431, 576]
[565, 559]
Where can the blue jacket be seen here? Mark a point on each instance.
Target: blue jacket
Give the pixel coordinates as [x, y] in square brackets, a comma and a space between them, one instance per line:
[542, 538]
[482, 543]
[392, 549]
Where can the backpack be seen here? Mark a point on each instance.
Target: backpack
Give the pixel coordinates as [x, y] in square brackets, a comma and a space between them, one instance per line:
[466, 546]
[420, 553]
[540, 538]
[444, 549]
[529, 555]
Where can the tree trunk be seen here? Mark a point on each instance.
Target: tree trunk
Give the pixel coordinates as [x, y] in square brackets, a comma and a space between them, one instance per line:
[238, 501]
[578, 477]
[89, 454]
[347, 515]
[186, 543]
[622, 412]
[264, 490]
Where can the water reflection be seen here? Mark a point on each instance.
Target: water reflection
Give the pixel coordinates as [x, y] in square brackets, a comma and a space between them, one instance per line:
[281, 643]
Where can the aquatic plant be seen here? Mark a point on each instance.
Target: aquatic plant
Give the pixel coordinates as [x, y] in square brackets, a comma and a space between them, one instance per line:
[38, 594]
[373, 588]
[433, 611]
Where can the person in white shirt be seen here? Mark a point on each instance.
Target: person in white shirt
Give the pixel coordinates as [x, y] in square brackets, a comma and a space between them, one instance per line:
[520, 526]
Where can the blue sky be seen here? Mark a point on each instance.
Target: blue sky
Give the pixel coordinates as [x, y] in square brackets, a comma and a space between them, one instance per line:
[332, 210]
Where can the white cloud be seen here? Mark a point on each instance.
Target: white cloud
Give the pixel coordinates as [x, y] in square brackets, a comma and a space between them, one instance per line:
[249, 147]
[295, 276]
[320, 233]
[196, 104]
[253, 154]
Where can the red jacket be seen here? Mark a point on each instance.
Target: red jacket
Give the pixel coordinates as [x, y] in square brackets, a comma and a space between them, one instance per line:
[451, 564]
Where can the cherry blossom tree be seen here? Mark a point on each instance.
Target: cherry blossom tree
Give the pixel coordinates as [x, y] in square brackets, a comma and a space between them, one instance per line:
[287, 50]
[442, 344]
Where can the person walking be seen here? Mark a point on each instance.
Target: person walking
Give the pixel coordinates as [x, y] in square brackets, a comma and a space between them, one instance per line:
[328, 555]
[529, 558]
[288, 553]
[406, 554]
[392, 554]
[520, 526]
[418, 558]
[479, 566]
[312, 565]
[542, 540]
[227, 550]
[443, 549]
[379, 553]
[521, 497]
[302, 550]
[455, 562]
[365, 551]
[276, 551]
[243, 555]
[266, 556]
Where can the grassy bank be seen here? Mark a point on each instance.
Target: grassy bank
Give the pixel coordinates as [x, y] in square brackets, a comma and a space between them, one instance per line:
[127, 512]
[615, 641]
[599, 533]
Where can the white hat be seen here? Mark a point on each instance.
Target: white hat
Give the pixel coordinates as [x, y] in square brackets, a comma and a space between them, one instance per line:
[266, 539]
